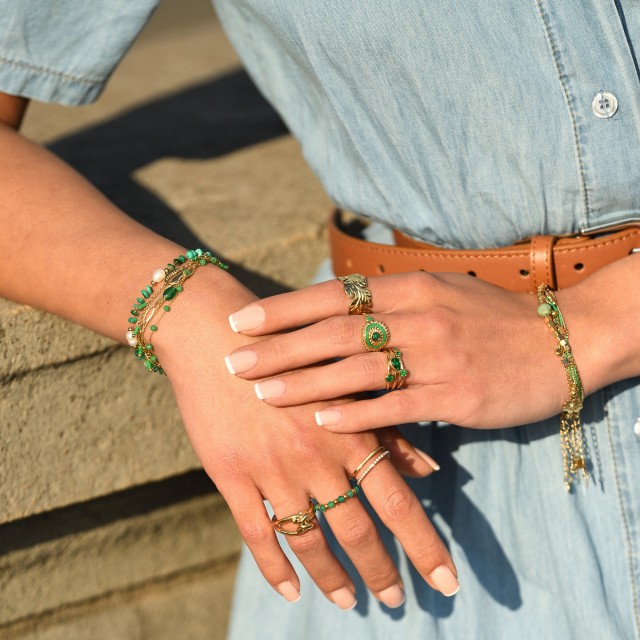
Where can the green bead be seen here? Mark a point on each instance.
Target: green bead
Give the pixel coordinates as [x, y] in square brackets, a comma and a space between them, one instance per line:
[161, 371]
[187, 272]
[389, 378]
[142, 305]
[153, 358]
[145, 293]
[170, 293]
[375, 336]
[136, 330]
[331, 504]
[341, 499]
[191, 254]
[322, 507]
[350, 493]
[153, 327]
[139, 299]
[203, 262]
[544, 309]
[178, 287]
[404, 373]
[198, 252]
[166, 308]
[134, 312]
[208, 254]
[148, 364]
[215, 261]
[155, 369]
[133, 320]
[396, 363]
[148, 347]
[357, 489]
[181, 259]
[170, 267]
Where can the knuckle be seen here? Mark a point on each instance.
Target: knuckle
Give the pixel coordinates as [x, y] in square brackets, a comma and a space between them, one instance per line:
[255, 533]
[306, 546]
[370, 366]
[359, 534]
[399, 504]
[341, 330]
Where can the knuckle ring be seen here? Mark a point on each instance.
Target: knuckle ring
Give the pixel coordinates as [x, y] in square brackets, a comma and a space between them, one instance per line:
[302, 520]
[363, 469]
[355, 286]
[375, 335]
[396, 371]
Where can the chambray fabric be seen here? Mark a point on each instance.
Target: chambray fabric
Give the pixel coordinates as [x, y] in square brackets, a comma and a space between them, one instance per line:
[466, 124]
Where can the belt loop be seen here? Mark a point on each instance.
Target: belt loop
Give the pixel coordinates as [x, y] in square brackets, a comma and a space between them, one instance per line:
[541, 260]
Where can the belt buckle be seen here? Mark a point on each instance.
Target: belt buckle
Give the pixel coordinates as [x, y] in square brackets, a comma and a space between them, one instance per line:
[604, 229]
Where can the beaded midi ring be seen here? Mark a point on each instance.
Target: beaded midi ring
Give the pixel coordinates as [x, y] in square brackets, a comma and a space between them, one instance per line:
[352, 493]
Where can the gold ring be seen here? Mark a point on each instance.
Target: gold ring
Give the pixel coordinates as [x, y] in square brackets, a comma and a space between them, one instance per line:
[396, 372]
[375, 335]
[302, 519]
[355, 286]
[382, 454]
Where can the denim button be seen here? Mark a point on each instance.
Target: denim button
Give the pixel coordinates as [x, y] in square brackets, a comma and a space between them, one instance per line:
[636, 428]
[604, 104]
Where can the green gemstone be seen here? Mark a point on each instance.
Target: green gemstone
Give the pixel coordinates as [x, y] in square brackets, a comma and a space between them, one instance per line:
[148, 364]
[199, 252]
[170, 267]
[133, 320]
[389, 378]
[191, 254]
[142, 305]
[161, 371]
[181, 259]
[155, 369]
[350, 493]
[178, 287]
[375, 336]
[187, 272]
[134, 312]
[208, 254]
[342, 499]
[148, 347]
[153, 327]
[544, 310]
[166, 308]
[139, 299]
[145, 293]
[404, 373]
[323, 507]
[215, 261]
[331, 504]
[136, 330]
[396, 363]
[153, 358]
[170, 293]
[203, 262]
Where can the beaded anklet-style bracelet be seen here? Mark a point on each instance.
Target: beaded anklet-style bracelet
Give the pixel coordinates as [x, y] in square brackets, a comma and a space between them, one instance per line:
[571, 432]
[155, 302]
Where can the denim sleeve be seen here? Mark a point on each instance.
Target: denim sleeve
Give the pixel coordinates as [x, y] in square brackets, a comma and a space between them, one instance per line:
[65, 50]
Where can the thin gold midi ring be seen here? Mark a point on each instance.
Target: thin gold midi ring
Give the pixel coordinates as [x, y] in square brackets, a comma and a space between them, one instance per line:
[376, 456]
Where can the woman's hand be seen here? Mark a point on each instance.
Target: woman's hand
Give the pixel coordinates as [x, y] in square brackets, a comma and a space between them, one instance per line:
[255, 452]
[476, 355]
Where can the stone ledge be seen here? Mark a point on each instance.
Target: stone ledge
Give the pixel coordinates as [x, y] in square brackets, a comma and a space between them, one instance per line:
[89, 552]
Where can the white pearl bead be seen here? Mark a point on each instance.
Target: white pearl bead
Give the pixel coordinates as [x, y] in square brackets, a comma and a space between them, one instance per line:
[131, 339]
[158, 276]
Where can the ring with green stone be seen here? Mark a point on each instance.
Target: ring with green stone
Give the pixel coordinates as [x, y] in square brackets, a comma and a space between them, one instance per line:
[352, 493]
[396, 371]
[375, 335]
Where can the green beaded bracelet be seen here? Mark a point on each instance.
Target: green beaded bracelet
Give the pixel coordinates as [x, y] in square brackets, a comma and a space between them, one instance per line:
[352, 493]
[154, 302]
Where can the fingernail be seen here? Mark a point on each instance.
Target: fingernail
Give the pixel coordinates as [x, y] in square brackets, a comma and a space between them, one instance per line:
[393, 596]
[269, 389]
[330, 417]
[445, 581]
[241, 361]
[343, 598]
[288, 591]
[428, 459]
[248, 318]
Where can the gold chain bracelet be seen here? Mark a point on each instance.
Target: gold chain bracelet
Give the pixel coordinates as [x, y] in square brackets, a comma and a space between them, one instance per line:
[571, 431]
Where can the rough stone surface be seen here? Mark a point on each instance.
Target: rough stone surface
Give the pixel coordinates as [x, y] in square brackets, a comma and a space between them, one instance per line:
[119, 555]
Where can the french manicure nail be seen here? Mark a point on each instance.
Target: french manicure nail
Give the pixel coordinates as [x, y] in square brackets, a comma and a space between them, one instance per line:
[393, 596]
[343, 598]
[241, 361]
[428, 459]
[269, 389]
[329, 417]
[248, 318]
[288, 591]
[445, 581]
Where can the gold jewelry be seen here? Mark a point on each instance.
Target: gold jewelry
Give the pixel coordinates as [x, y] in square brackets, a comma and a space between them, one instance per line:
[355, 286]
[374, 453]
[352, 493]
[375, 335]
[302, 520]
[385, 454]
[396, 373]
[571, 431]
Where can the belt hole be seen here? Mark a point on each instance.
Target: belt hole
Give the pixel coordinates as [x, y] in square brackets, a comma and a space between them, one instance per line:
[579, 266]
[380, 268]
[524, 273]
[471, 273]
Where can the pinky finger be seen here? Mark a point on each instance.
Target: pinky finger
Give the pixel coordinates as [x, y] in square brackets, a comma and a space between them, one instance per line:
[258, 533]
[396, 407]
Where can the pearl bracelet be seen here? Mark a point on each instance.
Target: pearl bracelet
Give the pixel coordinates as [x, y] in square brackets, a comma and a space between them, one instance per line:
[155, 302]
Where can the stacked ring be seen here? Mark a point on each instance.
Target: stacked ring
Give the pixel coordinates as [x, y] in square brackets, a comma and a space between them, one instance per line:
[396, 372]
[379, 453]
[375, 335]
[302, 520]
[355, 286]
[385, 454]
[352, 493]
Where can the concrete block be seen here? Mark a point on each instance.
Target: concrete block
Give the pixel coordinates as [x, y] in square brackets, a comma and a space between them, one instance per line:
[54, 568]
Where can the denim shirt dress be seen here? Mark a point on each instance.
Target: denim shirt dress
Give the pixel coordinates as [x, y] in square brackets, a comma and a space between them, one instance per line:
[465, 124]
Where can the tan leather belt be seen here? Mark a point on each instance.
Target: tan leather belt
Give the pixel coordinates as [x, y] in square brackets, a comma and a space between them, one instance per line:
[552, 260]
